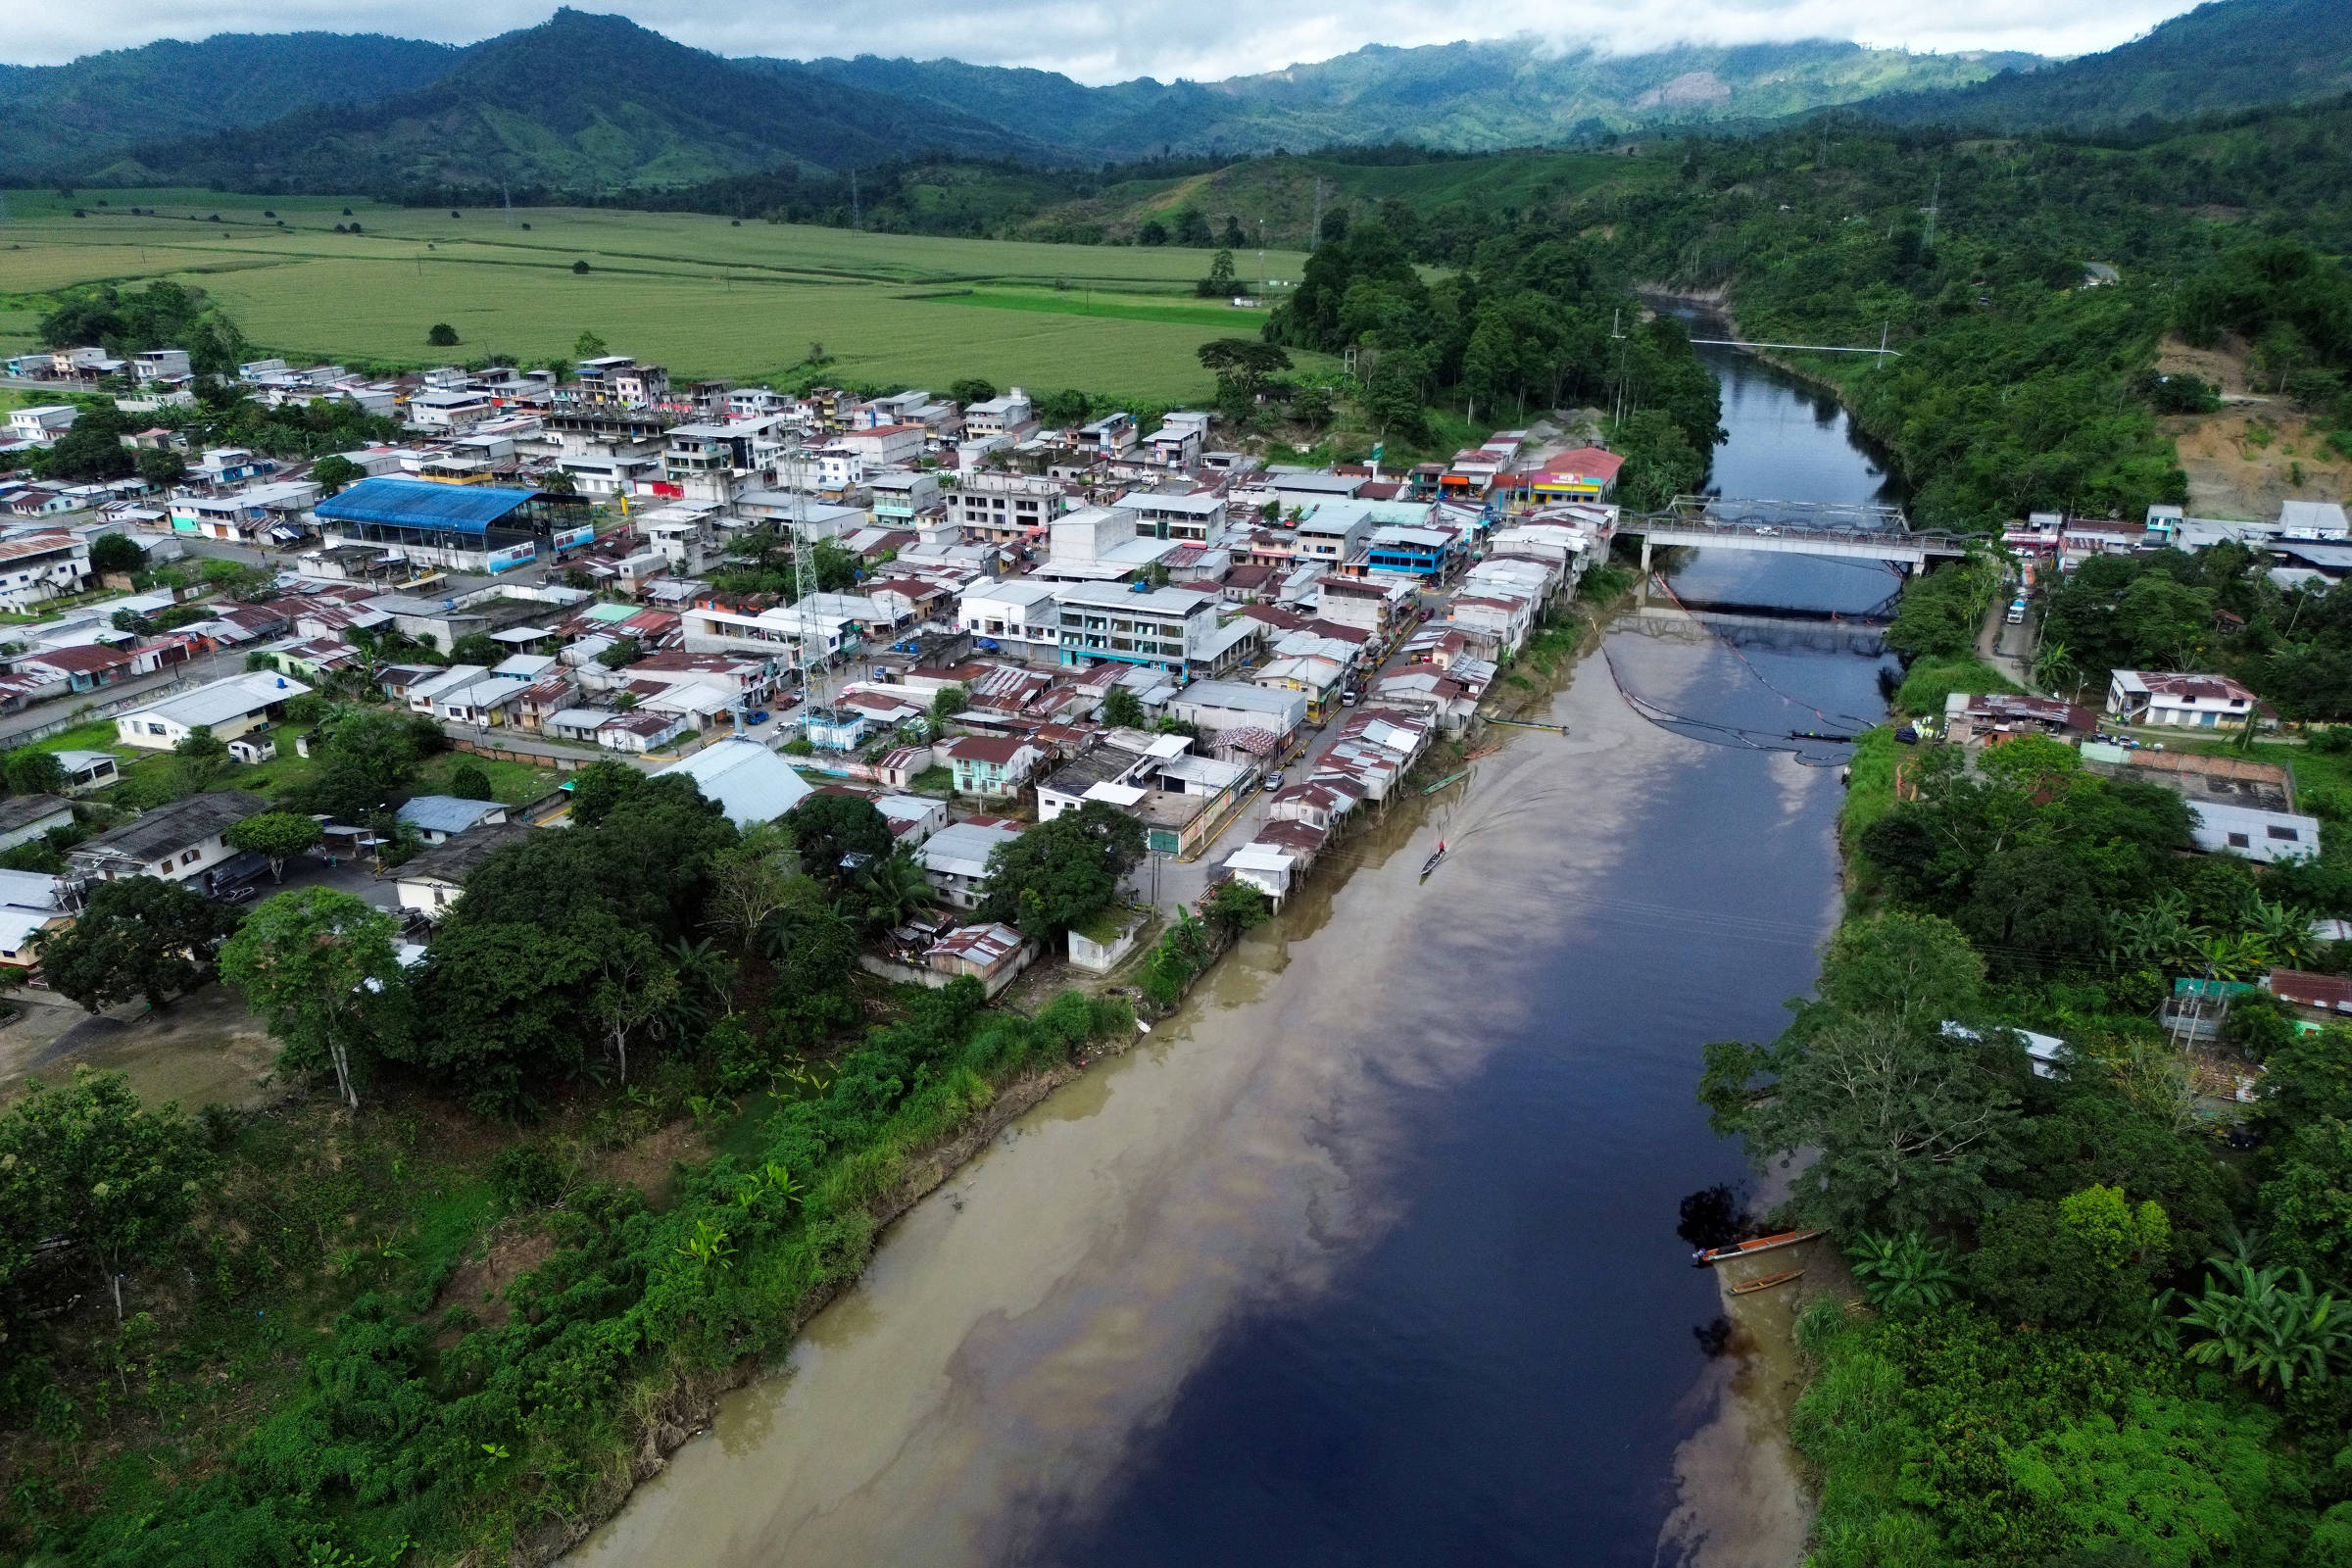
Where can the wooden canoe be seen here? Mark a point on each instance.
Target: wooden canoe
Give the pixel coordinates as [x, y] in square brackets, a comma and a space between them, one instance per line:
[1764, 1283]
[1762, 1244]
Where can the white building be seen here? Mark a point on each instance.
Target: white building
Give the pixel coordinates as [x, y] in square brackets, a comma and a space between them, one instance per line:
[1166, 629]
[1019, 615]
[233, 705]
[1012, 414]
[1194, 518]
[159, 365]
[2221, 828]
[2182, 701]
[37, 566]
[43, 423]
[1001, 507]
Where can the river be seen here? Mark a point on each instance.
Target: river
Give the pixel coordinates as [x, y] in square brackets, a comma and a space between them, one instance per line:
[1370, 1256]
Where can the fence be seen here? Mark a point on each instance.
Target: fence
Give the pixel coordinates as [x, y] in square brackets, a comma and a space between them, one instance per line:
[85, 712]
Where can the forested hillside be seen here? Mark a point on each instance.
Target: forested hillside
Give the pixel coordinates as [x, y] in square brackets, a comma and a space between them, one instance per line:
[581, 102]
[585, 103]
[2226, 55]
[2023, 383]
[75, 115]
[1466, 97]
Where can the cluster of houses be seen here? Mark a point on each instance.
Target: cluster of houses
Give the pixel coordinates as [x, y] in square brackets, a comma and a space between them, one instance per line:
[2238, 805]
[1122, 616]
[2310, 539]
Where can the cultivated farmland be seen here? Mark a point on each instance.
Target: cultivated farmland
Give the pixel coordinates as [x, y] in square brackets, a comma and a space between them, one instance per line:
[706, 296]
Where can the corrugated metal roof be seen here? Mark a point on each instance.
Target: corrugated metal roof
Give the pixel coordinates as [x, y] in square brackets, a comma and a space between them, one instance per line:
[421, 503]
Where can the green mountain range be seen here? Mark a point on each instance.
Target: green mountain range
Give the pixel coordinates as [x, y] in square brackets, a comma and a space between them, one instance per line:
[586, 104]
[581, 102]
[2223, 57]
[1464, 97]
[67, 117]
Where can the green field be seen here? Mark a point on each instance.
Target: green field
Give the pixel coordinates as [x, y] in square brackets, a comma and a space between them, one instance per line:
[703, 295]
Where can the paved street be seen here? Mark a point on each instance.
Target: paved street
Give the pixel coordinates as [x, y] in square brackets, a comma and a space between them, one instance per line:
[1180, 882]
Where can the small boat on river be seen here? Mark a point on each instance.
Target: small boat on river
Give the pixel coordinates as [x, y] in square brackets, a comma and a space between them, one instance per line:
[1764, 1282]
[1431, 865]
[1762, 1244]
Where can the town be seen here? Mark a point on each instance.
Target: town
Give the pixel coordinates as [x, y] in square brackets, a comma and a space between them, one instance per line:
[977, 623]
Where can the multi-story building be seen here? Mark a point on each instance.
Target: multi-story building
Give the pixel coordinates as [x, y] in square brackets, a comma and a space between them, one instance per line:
[1197, 517]
[1167, 628]
[1011, 414]
[159, 365]
[34, 567]
[1002, 508]
[1018, 614]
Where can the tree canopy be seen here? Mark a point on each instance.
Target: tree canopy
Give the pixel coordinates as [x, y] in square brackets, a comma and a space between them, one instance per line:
[137, 936]
[1059, 873]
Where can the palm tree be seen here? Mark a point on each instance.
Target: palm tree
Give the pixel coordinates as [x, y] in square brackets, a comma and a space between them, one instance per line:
[2054, 667]
[893, 890]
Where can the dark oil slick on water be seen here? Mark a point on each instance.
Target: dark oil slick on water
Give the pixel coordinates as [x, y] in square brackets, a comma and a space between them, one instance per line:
[1370, 1256]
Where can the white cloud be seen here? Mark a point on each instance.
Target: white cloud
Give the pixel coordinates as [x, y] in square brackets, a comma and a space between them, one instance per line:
[1099, 42]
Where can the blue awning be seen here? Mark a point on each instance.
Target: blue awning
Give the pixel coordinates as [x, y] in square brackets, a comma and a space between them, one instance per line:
[467, 509]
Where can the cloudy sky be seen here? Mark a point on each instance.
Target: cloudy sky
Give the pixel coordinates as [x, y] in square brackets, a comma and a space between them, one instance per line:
[1110, 40]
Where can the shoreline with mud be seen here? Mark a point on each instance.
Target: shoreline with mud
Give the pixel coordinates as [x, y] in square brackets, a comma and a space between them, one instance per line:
[912, 1416]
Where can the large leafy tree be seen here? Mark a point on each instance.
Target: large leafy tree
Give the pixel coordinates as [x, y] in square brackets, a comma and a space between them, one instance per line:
[838, 836]
[1059, 872]
[91, 449]
[89, 1164]
[505, 1003]
[565, 942]
[361, 759]
[1911, 1120]
[275, 836]
[322, 969]
[136, 937]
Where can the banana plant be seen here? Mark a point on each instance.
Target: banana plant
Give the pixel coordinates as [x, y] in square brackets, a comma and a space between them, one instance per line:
[2264, 1328]
[1901, 1273]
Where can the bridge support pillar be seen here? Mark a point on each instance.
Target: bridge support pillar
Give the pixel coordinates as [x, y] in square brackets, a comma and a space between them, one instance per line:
[1645, 558]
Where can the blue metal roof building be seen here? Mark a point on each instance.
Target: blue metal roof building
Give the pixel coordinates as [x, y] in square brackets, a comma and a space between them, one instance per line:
[475, 526]
[422, 504]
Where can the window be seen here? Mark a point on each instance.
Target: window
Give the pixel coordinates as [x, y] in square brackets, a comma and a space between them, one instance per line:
[2285, 835]
[2239, 841]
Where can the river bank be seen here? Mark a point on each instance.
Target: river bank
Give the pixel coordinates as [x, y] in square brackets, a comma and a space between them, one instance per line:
[1022, 1347]
[1369, 1252]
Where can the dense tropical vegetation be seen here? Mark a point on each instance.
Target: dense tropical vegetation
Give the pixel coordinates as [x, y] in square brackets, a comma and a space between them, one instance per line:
[287, 1369]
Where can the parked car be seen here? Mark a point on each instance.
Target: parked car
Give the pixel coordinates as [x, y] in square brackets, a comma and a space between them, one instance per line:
[1273, 781]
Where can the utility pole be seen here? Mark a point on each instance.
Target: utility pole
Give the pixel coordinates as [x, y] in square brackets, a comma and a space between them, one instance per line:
[857, 212]
[1934, 196]
[804, 586]
[507, 197]
[1314, 236]
[1617, 396]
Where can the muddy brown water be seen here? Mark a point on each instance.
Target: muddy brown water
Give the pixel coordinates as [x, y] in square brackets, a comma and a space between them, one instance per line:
[1368, 1256]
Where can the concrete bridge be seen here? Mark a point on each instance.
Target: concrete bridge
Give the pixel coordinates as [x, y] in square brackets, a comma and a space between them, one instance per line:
[1838, 531]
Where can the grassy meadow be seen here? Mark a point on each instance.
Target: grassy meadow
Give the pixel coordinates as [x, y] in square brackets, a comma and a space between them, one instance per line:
[704, 295]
